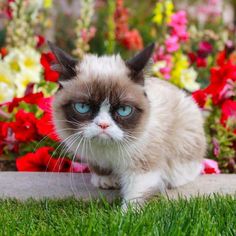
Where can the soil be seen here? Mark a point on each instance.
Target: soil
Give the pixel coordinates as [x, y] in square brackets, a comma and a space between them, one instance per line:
[7, 164]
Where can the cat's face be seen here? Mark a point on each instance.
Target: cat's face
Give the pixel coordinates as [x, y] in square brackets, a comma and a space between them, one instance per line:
[102, 101]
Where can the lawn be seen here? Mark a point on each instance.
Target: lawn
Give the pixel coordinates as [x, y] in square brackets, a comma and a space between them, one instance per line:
[198, 216]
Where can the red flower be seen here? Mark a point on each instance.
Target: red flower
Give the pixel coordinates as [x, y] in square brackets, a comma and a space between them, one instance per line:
[220, 58]
[46, 128]
[3, 52]
[32, 98]
[228, 111]
[130, 39]
[219, 80]
[7, 138]
[2, 137]
[46, 60]
[50, 75]
[200, 97]
[210, 167]
[9, 9]
[45, 104]
[40, 41]
[192, 57]
[201, 62]
[42, 160]
[24, 127]
[205, 48]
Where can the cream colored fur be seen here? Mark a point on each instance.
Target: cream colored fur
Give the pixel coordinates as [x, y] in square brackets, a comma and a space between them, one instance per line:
[167, 153]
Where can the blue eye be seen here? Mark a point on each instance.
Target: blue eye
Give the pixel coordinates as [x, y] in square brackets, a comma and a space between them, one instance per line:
[82, 107]
[124, 110]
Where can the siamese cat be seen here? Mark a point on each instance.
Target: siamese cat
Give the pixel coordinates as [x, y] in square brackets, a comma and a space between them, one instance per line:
[137, 133]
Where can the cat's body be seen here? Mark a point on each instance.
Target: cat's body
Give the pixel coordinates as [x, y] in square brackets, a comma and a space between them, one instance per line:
[159, 144]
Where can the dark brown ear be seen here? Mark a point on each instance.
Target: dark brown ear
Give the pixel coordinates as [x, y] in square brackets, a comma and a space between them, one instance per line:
[65, 63]
[138, 63]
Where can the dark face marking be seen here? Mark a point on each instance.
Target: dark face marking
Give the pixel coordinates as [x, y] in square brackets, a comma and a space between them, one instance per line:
[95, 93]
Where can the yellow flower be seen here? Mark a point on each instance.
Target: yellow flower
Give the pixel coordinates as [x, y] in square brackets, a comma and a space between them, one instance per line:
[158, 13]
[188, 79]
[47, 3]
[180, 63]
[163, 12]
[169, 8]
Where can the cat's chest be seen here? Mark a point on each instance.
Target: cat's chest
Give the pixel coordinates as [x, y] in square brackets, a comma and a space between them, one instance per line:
[105, 156]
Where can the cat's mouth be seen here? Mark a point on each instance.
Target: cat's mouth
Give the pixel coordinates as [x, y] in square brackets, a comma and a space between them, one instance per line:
[104, 135]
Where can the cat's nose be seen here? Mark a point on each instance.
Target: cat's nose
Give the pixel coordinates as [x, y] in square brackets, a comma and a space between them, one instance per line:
[103, 125]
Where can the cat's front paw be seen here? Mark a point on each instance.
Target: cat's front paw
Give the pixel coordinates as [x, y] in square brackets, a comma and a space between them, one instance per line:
[105, 181]
[133, 205]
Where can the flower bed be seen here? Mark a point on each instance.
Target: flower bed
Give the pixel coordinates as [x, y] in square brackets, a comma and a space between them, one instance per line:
[188, 54]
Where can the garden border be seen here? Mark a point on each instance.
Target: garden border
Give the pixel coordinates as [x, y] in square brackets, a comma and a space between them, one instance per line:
[38, 185]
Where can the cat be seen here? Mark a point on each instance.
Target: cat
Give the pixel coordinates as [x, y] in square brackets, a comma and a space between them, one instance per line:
[137, 133]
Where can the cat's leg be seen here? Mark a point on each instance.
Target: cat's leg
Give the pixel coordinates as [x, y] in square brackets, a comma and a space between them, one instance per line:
[105, 181]
[139, 187]
[104, 178]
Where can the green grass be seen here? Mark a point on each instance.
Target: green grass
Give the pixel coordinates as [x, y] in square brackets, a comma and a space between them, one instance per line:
[199, 216]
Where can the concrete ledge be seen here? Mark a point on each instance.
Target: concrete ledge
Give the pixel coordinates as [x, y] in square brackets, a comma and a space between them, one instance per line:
[23, 185]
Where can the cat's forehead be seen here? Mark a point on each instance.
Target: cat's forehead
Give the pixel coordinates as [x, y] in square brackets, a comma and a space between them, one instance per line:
[98, 91]
[104, 67]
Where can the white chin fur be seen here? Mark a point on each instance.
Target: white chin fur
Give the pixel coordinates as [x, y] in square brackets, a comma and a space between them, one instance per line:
[113, 132]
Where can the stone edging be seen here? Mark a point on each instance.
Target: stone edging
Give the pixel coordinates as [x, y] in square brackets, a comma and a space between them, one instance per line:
[25, 185]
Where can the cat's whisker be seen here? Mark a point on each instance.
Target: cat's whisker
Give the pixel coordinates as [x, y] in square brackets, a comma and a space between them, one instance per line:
[68, 149]
[47, 136]
[66, 121]
[73, 159]
[84, 153]
[62, 152]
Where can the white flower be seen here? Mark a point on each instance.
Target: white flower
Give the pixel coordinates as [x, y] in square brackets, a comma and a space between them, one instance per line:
[25, 67]
[23, 79]
[30, 60]
[6, 92]
[23, 58]
[159, 65]
[13, 59]
[6, 83]
[188, 79]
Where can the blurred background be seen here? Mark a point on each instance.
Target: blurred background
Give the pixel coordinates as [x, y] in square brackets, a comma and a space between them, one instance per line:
[195, 50]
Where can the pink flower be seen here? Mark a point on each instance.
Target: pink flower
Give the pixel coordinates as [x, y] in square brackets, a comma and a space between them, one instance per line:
[179, 25]
[210, 167]
[216, 147]
[79, 167]
[205, 48]
[178, 19]
[166, 72]
[172, 44]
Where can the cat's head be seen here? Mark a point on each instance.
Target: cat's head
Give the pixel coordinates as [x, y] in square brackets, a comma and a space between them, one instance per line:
[101, 98]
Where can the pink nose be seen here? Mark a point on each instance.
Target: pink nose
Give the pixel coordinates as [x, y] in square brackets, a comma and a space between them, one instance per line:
[103, 125]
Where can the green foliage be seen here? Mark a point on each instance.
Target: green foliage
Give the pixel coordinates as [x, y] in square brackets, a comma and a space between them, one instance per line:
[2, 37]
[224, 138]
